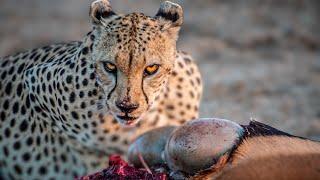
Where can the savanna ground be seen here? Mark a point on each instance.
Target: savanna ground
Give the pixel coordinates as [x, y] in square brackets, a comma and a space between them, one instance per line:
[258, 58]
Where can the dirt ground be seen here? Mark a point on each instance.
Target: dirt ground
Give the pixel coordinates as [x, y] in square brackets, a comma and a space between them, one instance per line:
[259, 59]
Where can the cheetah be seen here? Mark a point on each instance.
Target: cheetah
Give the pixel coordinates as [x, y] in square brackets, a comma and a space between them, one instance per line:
[64, 108]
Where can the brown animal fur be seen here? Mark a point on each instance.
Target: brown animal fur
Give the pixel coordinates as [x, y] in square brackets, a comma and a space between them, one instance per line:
[276, 157]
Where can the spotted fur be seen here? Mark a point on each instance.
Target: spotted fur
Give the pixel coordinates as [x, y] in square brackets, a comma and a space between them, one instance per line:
[59, 116]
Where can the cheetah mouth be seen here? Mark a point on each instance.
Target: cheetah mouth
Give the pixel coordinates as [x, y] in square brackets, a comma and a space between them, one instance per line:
[128, 120]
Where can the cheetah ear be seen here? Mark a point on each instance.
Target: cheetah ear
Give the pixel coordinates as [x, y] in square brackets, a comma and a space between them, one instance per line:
[170, 16]
[100, 12]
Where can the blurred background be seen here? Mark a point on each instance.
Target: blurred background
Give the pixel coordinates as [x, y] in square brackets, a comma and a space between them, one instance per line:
[259, 58]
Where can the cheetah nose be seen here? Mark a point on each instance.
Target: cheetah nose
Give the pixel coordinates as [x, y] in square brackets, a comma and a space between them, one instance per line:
[126, 106]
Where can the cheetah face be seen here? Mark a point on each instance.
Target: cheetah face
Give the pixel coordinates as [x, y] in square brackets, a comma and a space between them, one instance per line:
[134, 55]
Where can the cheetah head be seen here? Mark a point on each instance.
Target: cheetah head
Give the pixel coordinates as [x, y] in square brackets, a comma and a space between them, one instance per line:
[134, 55]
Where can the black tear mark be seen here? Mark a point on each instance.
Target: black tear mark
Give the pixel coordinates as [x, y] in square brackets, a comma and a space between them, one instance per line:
[112, 90]
[145, 95]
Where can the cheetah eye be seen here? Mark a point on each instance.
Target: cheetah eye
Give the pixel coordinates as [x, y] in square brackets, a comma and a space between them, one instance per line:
[150, 70]
[109, 67]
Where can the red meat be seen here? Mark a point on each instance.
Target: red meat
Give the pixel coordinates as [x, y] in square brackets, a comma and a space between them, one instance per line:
[120, 170]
